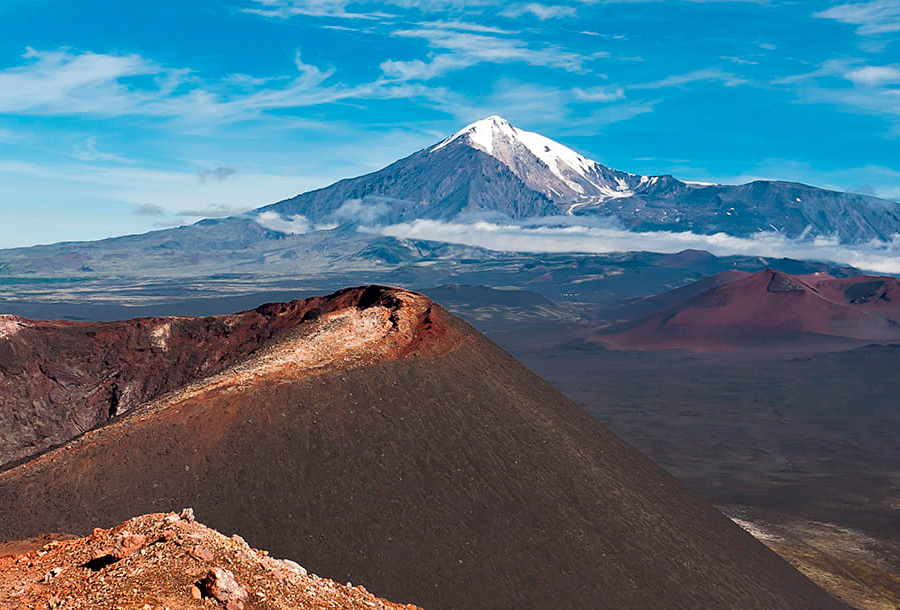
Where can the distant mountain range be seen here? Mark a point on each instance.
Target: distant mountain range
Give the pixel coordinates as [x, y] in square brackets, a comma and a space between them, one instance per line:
[492, 169]
[489, 170]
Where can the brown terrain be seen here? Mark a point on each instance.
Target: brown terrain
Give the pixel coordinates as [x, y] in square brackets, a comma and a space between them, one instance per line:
[383, 441]
[168, 561]
[766, 310]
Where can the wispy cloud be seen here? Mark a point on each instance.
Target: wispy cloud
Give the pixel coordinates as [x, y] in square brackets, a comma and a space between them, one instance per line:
[706, 74]
[872, 89]
[461, 49]
[541, 11]
[87, 151]
[741, 61]
[465, 26]
[877, 256]
[283, 9]
[600, 94]
[419, 70]
[68, 82]
[362, 9]
[872, 18]
[73, 83]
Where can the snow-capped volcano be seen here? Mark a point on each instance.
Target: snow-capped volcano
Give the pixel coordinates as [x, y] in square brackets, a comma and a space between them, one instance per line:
[567, 178]
[493, 170]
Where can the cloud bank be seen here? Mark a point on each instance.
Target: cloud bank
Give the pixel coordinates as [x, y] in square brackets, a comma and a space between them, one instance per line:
[876, 256]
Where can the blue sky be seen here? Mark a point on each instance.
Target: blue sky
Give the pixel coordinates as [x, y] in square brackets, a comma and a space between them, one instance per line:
[122, 117]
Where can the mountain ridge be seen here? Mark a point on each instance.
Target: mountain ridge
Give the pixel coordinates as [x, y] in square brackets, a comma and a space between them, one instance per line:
[489, 171]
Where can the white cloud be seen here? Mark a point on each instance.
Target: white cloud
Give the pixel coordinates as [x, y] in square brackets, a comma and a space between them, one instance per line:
[297, 224]
[874, 75]
[706, 74]
[541, 11]
[872, 18]
[877, 256]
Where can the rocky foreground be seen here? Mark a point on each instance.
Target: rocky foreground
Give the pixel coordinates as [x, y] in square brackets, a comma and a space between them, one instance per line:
[168, 561]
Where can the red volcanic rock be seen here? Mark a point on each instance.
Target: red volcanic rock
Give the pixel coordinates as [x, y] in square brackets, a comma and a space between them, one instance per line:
[234, 576]
[221, 585]
[771, 309]
[60, 379]
[127, 544]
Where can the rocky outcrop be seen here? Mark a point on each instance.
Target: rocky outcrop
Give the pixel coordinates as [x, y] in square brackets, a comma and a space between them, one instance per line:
[163, 569]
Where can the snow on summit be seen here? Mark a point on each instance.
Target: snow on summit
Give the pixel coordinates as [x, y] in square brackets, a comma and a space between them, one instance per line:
[555, 170]
[484, 134]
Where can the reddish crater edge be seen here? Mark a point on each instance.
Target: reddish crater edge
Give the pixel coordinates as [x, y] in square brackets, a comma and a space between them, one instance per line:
[59, 379]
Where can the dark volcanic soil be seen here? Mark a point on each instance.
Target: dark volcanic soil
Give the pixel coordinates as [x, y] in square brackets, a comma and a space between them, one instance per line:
[809, 435]
[394, 446]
